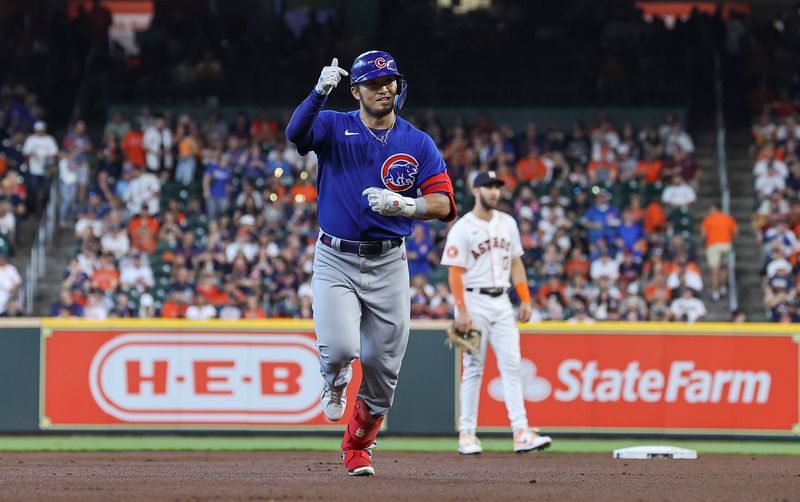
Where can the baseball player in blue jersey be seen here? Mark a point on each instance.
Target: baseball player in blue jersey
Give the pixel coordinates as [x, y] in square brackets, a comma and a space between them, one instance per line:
[376, 175]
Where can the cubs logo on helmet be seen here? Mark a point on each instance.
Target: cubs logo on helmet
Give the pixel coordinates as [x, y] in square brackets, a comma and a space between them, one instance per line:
[374, 64]
[399, 172]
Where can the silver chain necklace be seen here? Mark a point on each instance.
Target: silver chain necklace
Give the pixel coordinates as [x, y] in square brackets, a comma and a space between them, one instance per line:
[380, 139]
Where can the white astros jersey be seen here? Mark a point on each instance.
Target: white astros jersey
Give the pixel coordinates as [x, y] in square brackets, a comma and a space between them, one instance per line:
[484, 248]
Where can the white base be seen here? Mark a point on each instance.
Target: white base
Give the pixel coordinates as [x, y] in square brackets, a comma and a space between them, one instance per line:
[651, 452]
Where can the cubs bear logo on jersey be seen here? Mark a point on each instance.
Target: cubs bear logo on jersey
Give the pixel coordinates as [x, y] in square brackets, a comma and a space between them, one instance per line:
[399, 172]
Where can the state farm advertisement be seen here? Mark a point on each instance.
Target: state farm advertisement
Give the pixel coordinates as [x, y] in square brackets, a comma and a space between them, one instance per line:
[108, 378]
[651, 382]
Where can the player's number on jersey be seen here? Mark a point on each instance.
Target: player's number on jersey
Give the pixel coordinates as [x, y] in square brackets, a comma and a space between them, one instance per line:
[506, 262]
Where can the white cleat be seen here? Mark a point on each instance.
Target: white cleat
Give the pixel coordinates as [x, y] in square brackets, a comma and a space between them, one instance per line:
[334, 403]
[528, 440]
[468, 443]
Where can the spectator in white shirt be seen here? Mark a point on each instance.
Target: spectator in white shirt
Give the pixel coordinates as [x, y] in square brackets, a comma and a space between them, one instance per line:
[88, 222]
[157, 142]
[136, 272]
[769, 182]
[200, 309]
[778, 262]
[687, 307]
[116, 241]
[143, 190]
[10, 282]
[680, 138]
[604, 266]
[95, 308]
[760, 169]
[679, 193]
[8, 222]
[40, 151]
[231, 310]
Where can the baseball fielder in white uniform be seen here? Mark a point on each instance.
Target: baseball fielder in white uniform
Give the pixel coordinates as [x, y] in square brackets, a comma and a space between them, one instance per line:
[483, 252]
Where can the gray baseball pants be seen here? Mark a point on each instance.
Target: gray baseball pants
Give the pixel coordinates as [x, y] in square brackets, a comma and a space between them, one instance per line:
[362, 309]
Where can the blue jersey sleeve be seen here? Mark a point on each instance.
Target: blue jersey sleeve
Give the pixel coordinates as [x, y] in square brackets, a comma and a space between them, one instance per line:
[431, 161]
[433, 177]
[309, 126]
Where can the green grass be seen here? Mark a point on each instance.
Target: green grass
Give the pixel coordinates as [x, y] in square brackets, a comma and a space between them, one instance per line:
[312, 443]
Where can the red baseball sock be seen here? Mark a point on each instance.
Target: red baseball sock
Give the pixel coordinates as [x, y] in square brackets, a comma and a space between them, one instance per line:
[362, 429]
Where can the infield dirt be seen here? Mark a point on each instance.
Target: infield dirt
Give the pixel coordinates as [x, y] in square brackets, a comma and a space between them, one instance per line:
[400, 476]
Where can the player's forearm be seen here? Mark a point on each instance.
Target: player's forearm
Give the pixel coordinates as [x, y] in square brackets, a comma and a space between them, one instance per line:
[520, 279]
[298, 130]
[438, 206]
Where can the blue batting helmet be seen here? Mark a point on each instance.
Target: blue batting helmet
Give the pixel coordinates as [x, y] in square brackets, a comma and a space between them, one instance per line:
[374, 64]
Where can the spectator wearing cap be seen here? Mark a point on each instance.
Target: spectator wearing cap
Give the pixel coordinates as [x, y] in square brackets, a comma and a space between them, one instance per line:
[718, 229]
[602, 219]
[147, 307]
[40, 150]
[778, 262]
[88, 225]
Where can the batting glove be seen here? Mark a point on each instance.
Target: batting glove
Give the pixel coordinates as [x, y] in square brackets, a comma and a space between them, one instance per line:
[330, 77]
[389, 203]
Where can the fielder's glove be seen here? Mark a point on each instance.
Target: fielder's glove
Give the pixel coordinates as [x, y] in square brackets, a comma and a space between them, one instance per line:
[388, 203]
[469, 342]
[330, 77]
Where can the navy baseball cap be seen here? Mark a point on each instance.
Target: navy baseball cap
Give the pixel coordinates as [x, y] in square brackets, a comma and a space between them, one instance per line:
[487, 178]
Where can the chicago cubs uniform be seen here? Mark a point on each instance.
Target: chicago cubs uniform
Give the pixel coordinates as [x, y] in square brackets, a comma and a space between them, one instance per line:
[483, 251]
[376, 174]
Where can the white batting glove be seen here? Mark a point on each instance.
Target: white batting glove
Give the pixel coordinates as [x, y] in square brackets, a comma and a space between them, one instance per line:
[389, 203]
[330, 77]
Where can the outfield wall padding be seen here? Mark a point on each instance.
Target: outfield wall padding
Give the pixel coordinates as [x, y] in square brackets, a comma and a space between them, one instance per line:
[610, 378]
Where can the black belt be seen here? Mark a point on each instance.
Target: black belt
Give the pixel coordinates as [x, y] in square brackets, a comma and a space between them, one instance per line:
[361, 248]
[489, 291]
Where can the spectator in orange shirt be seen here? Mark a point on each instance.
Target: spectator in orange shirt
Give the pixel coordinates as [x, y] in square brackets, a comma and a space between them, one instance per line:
[174, 307]
[649, 168]
[602, 170]
[533, 168]
[143, 230]
[718, 230]
[553, 287]
[133, 145]
[252, 310]
[106, 276]
[303, 191]
[654, 218]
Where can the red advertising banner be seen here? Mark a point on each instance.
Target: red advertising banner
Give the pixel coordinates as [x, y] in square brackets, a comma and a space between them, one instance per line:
[677, 382]
[101, 378]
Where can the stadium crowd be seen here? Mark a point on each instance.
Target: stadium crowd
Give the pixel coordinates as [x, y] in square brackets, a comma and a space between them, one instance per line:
[210, 218]
[28, 161]
[776, 190]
